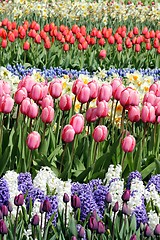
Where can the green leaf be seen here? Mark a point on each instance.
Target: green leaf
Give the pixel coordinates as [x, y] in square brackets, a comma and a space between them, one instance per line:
[133, 223]
[72, 226]
[83, 175]
[145, 172]
[138, 156]
[157, 163]
[5, 159]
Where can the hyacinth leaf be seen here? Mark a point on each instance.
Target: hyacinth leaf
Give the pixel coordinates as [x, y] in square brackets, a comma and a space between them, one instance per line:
[81, 177]
[49, 224]
[145, 172]
[89, 234]
[57, 151]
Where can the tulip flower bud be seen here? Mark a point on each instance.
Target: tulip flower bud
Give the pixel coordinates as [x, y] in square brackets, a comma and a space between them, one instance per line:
[157, 230]
[81, 232]
[129, 97]
[73, 238]
[68, 133]
[105, 92]
[10, 207]
[4, 210]
[55, 88]
[76, 86]
[20, 94]
[126, 195]
[19, 200]
[134, 113]
[65, 102]
[41, 208]
[125, 209]
[102, 109]
[47, 101]
[101, 227]
[102, 54]
[1, 215]
[65, 198]
[32, 110]
[3, 227]
[100, 133]
[93, 85]
[155, 87]
[92, 223]
[47, 114]
[147, 231]
[83, 94]
[26, 46]
[133, 237]
[128, 143]
[6, 104]
[35, 220]
[46, 206]
[148, 113]
[75, 202]
[36, 92]
[108, 197]
[116, 207]
[33, 140]
[77, 122]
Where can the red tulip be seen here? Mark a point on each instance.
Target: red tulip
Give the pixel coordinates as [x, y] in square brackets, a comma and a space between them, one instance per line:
[137, 48]
[128, 143]
[26, 46]
[4, 43]
[119, 47]
[65, 47]
[135, 31]
[100, 133]
[111, 40]
[68, 133]
[33, 140]
[101, 42]
[11, 37]
[102, 54]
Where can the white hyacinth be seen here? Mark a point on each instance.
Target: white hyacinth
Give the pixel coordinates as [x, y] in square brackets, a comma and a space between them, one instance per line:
[12, 180]
[152, 195]
[116, 190]
[113, 172]
[153, 219]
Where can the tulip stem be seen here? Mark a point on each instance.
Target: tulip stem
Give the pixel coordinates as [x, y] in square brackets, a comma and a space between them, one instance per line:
[34, 232]
[41, 221]
[65, 147]
[15, 225]
[45, 222]
[95, 152]
[115, 111]
[114, 216]
[1, 132]
[122, 120]
[122, 162]
[65, 215]
[112, 110]
[80, 110]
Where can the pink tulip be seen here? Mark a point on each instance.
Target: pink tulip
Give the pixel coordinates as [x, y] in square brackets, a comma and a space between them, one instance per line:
[91, 115]
[155, 87]
[129, 97]
[93, 85]
[83, 94]
[55, 88]
[20, 95]
[128, 143]
[47, 114]
[33, 140]
[6, 103]
[102, 109]
[36, 92]
[47, 101]
[115, 83]
[77, 122]
[148, 113]
[117, 91]
[24, 105]
[157, 108]
[100, 133]
[5, 88]
[32, 110]
[65, 102]
[27, 82]
[149, 97]
[76, 86]
[134, 113]
[105, 92]
[68, 133]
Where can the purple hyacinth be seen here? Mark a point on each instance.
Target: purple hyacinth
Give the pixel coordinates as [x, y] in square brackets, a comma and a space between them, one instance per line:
[100, 197]
[34, 194]
[131, 176]
[94, 183]
[88, 203]
[156, 181]
[54, 208]
[4, 192]
[141, 214]
[24, 182]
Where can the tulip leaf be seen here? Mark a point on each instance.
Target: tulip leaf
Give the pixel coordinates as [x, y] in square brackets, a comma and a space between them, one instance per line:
[138, 156]
[5, 159]
[147, 171]
[83, 175]
[157, 163]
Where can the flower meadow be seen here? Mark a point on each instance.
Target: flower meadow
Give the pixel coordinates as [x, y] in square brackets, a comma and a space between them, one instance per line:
[79, 120]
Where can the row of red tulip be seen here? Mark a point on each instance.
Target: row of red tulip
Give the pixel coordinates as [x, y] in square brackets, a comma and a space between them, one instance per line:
[78, 34]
